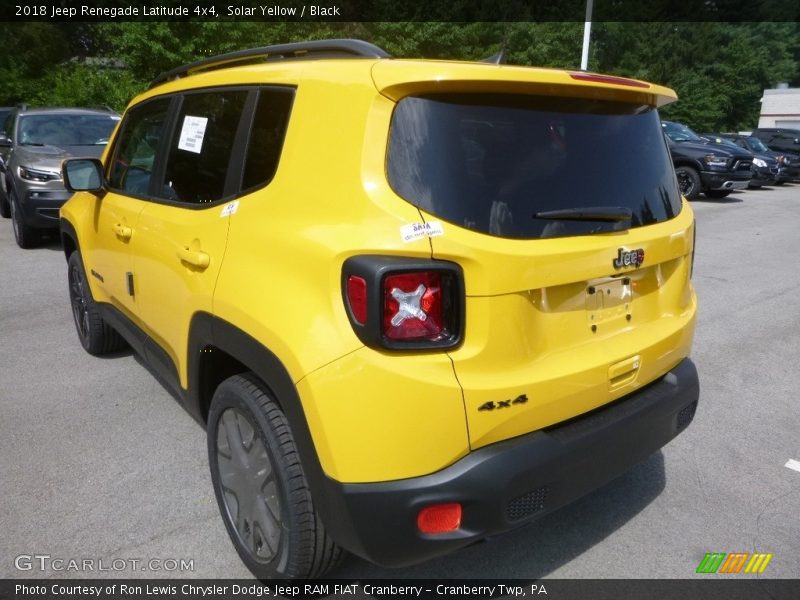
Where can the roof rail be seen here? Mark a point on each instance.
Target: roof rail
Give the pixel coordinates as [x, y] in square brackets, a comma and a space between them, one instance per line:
[344, 48]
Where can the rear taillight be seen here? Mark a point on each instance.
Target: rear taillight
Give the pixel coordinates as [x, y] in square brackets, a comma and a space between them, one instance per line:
[404, 304]
[412, 307]
[357, 298]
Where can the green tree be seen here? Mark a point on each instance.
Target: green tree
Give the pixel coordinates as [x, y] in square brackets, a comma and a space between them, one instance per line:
[718, 69]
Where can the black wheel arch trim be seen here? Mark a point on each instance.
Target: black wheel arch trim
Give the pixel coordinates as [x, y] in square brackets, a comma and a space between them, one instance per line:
[688, 162]
[207, 330]
[67, 229]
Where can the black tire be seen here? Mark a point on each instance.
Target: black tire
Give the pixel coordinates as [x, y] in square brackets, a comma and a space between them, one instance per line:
[278, 533]
[5, 208]
[25, 235]
[716, 194]
[688, 182]
[97, 337]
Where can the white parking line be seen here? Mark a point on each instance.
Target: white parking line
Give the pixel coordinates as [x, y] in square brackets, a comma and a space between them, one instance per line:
[793, 464]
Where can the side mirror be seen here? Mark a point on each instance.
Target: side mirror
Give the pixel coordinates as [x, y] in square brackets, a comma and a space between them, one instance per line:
[4, 141]
[83, 175]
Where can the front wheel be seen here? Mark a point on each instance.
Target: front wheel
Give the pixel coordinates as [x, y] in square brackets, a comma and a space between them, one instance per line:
[25, 235]
[5, 207]
[260, 486]
[688, 182]
[97, 337]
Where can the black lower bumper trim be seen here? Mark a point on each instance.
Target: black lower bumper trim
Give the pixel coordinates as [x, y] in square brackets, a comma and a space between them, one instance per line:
[41, 208]
[512, 482]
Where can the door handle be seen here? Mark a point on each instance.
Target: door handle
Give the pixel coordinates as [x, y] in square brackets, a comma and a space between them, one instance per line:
[123, 231]
[194, 257]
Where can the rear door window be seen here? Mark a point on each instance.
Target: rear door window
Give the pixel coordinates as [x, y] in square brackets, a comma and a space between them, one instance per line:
[202, 145]
[492, 162]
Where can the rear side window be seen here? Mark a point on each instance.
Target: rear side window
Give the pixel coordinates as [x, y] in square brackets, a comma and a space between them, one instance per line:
[266, 137]
[492, 162]
[201, 147]
[134, 157]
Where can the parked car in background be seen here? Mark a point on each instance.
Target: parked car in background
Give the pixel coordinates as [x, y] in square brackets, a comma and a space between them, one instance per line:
[33, 143]
[712, 169]
[779, 139]
[788, 163]
[4, 112]
[765, 167]
[784, 141]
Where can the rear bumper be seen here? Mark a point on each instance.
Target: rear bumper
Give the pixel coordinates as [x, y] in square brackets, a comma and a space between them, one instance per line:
[507, 484]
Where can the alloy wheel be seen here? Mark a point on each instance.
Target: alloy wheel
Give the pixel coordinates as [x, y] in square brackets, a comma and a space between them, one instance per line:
[249, 485]
[80, 310]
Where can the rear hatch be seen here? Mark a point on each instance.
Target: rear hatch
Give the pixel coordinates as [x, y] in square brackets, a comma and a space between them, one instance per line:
[562, 207]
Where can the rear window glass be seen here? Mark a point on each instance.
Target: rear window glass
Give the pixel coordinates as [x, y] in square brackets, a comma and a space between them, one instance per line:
[492, 162]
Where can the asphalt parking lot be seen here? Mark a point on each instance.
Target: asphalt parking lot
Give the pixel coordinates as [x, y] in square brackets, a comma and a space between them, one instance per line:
[97, 461]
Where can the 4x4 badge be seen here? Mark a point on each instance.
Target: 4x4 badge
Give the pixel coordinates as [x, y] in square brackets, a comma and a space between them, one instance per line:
[629, 258]
[521, 399]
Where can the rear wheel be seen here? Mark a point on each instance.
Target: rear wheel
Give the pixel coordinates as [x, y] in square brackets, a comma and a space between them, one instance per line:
[260, 487]
[97, 337]
[25, 235]
[717, 193]
[688, 182]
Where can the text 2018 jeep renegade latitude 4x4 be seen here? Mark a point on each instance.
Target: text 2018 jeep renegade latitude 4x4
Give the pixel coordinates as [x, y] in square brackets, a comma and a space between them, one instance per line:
[415, 303]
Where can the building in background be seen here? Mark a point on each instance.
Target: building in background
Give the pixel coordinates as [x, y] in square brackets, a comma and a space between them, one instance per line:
[780, 108]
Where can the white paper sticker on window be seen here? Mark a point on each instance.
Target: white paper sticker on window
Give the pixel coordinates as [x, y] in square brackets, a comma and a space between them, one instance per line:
[192, 132]
[415, 231]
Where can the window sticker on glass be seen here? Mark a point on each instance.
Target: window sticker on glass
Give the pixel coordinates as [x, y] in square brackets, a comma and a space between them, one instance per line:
[192, 133]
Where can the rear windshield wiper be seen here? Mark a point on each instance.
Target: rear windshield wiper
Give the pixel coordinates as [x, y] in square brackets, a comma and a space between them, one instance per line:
[592, 213]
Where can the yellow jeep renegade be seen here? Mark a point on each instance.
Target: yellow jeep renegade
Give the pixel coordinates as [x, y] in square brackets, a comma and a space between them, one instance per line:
[415, 303]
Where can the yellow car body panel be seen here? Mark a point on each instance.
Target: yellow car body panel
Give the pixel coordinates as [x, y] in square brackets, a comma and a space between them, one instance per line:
[405, 416]
[177, 255]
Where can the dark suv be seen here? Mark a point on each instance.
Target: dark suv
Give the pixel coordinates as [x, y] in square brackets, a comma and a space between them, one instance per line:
[712, 169]
[766, 168]
[32, 145]
[779, 138]
[785, 141]
[788, 163]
